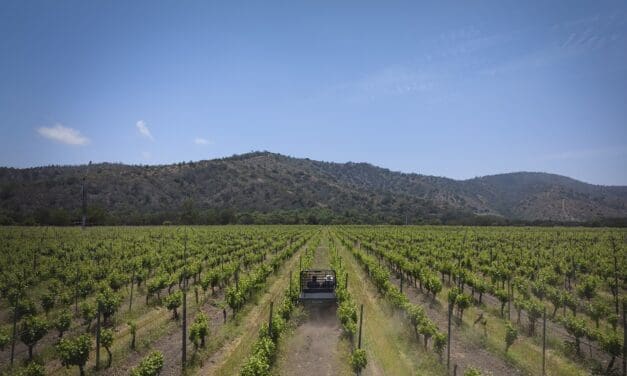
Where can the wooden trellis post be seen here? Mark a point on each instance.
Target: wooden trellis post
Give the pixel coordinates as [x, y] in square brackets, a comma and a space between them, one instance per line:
[14, 336]
[625, 338]
[361, 322]
[184, 326]
[98, 338]
[544, 342]
[270, 320]
[448, 346]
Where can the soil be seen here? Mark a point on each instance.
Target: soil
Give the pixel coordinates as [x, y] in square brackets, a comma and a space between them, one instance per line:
[312, 348]
[390, 346]
[590, 348]
[170, 344]
[463, 353]
[214, 363]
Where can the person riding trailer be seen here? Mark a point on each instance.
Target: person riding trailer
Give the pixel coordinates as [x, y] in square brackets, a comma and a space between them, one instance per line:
[329, 282]
[313, 283]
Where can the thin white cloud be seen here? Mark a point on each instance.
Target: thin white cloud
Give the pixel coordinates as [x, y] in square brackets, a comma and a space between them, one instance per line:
[143, 129]
[146, 155]
[202, 141]
[64, 135]
[610, 151]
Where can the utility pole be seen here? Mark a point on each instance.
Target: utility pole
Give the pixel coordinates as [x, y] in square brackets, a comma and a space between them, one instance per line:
[361, 322]
[184, 347]
[98, 338]
[509, 299]
[615, 276]
[544, 342]
[448, 346]
[14, 336]
[84, 199]
[130, 302]
[270, 320]
[624, 338]
[76, 289]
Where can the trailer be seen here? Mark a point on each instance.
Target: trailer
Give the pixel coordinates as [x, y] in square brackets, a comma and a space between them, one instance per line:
[317, 285]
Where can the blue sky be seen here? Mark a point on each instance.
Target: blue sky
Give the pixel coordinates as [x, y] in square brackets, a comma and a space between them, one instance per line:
[457, 89]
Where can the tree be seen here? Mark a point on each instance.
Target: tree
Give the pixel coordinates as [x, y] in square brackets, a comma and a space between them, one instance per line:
[439, 343]
[189, 215]
[133, 328]
[26, 307]
[539, 289]
[597, 310]
[503, 297]
[173, 302]
[5, 339]
[108, 303]
[534, 312]
[481, 287]
[106, 340]
[358, 360]
[63, 322]
[155, 286]
[234, 298]
[570, 302]
[612, 345]
[433, 285]
[33, 369]
[88, 313]
[32, 329]
[472, 371]
[151, 365]
[452, 295]
[75, 352]
[556, 298]
[199, 330]
[463, 302]
[577, 328]
[587, 288]
[427, 329]
[511, 334]
[47, 302]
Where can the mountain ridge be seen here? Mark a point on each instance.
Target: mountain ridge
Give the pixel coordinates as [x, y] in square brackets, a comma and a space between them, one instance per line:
[262, 183]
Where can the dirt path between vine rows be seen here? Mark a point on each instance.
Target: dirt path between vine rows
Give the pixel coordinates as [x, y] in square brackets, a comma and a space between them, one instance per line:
[170, 343]
[589, 348]
[231, 355]
[314, 347]
[463, 353]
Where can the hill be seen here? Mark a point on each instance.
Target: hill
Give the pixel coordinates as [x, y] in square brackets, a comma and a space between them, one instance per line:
[264, 187]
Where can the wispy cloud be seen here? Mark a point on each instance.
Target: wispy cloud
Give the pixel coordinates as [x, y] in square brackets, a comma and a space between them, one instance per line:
[391, 81]
[610, 151]
[64, 135]
[202, 141]
[143, 129]
[562, 42]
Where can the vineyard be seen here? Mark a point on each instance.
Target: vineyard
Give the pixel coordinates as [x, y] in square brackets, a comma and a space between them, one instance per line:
[223, 300]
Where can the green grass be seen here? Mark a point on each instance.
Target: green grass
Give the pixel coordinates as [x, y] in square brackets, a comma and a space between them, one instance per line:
[390, 344]
[525, 353]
